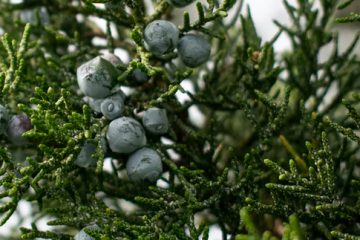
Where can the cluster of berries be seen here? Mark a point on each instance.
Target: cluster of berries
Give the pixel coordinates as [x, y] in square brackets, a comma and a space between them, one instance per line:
[124, 135]
[162, 37]
[14, 126]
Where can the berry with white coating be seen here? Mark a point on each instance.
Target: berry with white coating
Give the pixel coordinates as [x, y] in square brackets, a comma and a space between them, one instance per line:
[95, 77]
[139, 76]
[85, 159]
[180, 3]
[125, 135]
[82, 235]
[112, 107]
[112, 58]
[144, 164]
[161, 37]
[94, 103]
[155, 120]
[17, 126]
[194, 50]
[4, 118]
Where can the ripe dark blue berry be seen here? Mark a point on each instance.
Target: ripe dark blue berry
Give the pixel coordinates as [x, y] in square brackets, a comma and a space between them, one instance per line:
[161, 37]
[193, 50]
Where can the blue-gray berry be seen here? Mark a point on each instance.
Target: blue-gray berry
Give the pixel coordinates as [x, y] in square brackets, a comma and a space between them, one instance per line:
[95, 77]
[94, 103]
[85, 159]
[139, 76]
[144, 164]
[155, 120]
[180, 3]
[82, 235]
[112, 107]
[194, 50]
[30, 16]
[4, 118]
[112, 58]
[125, 135]
[17, 125]
[161, 37]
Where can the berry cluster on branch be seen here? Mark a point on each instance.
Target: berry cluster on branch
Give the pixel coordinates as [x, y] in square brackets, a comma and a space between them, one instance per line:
[103, 148]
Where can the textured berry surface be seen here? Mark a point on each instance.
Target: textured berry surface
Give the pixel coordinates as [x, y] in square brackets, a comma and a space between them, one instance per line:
[95, 77]
[112, 58]
[125, 135]
[84, 159]
[144, 164]
[180, 3]
[139, 76]
[194, 50]
[112, 107]
[4, 118]
[155, 121]
[161, 37]
[18, 124]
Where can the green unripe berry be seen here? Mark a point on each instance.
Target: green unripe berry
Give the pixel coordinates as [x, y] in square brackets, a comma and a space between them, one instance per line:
[144, 164]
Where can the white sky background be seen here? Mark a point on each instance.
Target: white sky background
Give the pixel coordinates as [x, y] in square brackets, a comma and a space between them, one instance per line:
[263, 12]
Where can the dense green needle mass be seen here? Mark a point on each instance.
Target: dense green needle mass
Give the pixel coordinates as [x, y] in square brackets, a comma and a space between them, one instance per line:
[276, 156]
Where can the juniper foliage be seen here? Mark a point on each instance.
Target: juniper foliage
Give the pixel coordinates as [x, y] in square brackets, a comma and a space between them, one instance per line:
[276, 158]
